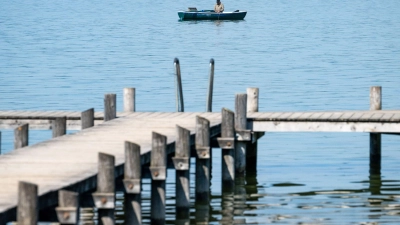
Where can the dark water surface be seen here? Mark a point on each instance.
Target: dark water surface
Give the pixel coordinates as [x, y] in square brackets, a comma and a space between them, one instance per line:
[303, 55]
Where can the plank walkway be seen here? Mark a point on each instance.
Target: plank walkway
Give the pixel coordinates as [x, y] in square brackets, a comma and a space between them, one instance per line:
[70, 161]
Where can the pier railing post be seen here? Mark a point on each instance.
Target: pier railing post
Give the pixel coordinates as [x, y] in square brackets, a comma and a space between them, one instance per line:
[375, 138]
[182, 166]
[87, 118]
[68, 207]
[227, 143]
[21, 136]
[104, 197]
[158, 165]
[129, 99]
[178, 83]
[59, 126]
[110, 106]
[210, 87]
[251, 150]
[27, 209]
[132, 183]
[243, 135]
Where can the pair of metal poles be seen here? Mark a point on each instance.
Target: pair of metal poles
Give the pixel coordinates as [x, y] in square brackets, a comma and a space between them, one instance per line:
[179, 90]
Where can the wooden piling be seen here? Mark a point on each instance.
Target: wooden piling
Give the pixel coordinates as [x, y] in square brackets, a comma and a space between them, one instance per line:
[182, 166]
[27, 209]
[251, 148]
[227, 143]
[375, 138]
[132, 183]
[158, 164]
[21, 136]
[210, 87]
[87, 118]
[202, 160]
[129, 99]
[110, 106]
[59, 126]
[240, 127]
[179, 91]
[68, 207]
[104, 197]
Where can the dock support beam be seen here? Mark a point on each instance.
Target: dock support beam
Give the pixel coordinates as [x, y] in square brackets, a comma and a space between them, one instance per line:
[375, 138]
[158, 168]
[240, 125]
[251, 154]
[182, 166]
[27, 209]
[68, 207]
[87, 118]
[132, 183]
[110, 106]
[227, 143]
[129, 99]
[59, 126]
[21, 136]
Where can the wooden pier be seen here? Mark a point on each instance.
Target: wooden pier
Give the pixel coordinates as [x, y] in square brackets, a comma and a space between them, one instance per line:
[74, 162]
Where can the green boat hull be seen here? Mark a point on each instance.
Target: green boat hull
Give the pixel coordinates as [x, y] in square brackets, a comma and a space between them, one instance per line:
[211, 15]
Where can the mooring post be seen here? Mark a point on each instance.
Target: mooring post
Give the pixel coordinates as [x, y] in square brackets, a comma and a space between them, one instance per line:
[202, 160]
[132, 184]
[68, 207]
[375, 98]
[242, 134]
[178, 83]
[104, 197]
[158, 165]
[129, 99]
[87, 118]
[251, 150]
[59, 126]
[28, 207]
[210, 87]
[227, 144]
[110, 106]
[21, 136]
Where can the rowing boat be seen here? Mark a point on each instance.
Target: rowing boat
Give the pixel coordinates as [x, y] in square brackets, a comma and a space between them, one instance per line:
[211, 15]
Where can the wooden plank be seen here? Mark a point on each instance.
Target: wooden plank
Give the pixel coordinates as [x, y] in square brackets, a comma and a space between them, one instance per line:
[386, 117]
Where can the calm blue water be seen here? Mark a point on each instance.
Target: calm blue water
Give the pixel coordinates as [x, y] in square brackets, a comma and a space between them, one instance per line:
[303, 55]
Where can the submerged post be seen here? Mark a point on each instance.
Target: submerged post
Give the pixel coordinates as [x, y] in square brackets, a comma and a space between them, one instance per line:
[110, 106]
[178, 83]
[129, 99]
[182, 166]
[158, 168]
[104, 197]
[375, 97]
[87, 118]
[210, 87]
[132, 183]
[59, 126]
[242, 134]
[68, 207]
[21, 136]
[28, 207]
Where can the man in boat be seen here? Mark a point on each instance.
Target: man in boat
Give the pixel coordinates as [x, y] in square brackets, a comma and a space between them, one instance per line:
[219, 7]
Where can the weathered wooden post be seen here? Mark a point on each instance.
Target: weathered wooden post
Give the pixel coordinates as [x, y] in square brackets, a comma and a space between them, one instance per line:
[104, 197]
[210, 87]
[28, 207]
[21, 136]
[375, 97]
[243, 135]
[251, 149]
[110, 106]
[132, 183]
[158, 165]
[178, 83]
[59, 126]
[182, 166]
[68, 207]
[129, 99]
[87, 118]
[227, 144]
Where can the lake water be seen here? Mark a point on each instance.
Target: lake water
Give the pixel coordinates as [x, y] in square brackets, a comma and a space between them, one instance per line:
[303, 55]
